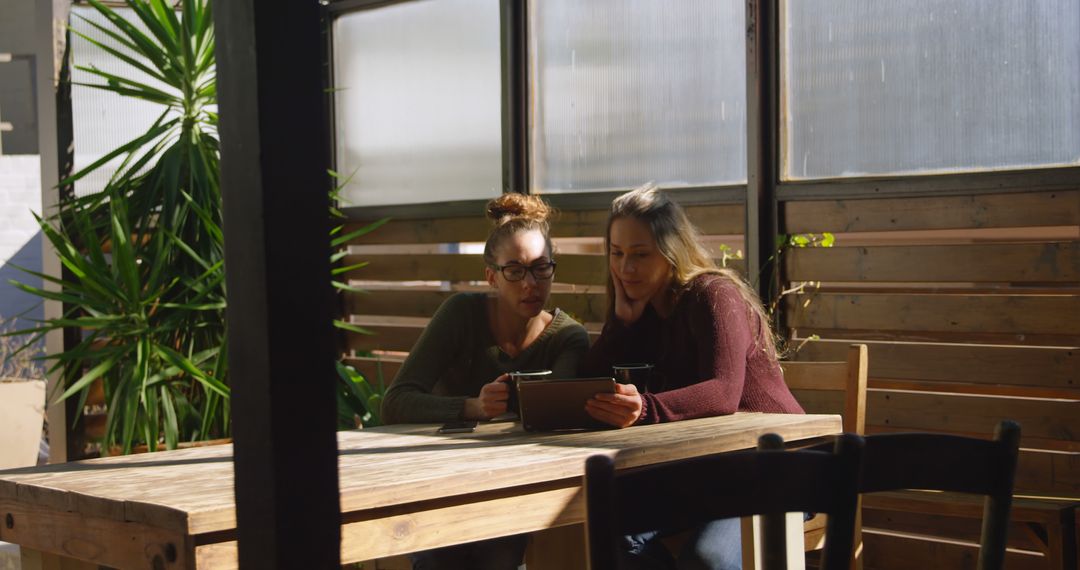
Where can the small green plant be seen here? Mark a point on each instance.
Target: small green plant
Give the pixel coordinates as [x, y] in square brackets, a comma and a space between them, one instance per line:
[784, 243]
[824, 239]
[339, 243]
[358, 401]
[728, 253]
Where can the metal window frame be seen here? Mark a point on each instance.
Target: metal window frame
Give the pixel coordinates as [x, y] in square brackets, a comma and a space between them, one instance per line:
[514, 115]
[970, 183]
[765, 191]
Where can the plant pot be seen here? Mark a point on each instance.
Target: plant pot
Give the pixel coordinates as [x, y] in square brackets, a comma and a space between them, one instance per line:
[22, 414]
[143, 448]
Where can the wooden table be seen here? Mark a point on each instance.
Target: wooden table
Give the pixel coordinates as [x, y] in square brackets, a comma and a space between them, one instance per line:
[403, 488]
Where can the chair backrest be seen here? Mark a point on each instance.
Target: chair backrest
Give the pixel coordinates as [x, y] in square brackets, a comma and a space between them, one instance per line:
[951, 463]
[683, 494]
[832, 387]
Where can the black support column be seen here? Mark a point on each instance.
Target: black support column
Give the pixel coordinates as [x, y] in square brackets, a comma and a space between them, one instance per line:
[762, 147]
[274, 181]
[513, 19]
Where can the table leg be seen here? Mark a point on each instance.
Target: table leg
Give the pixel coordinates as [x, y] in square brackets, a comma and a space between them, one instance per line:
[751, 542]
[558, 548]
[37, 560]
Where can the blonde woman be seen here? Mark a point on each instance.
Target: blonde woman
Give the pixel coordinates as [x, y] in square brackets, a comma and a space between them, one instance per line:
[458, 368]
[704, 330]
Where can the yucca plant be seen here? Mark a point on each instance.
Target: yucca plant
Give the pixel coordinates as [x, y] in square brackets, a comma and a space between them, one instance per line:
[145, 256]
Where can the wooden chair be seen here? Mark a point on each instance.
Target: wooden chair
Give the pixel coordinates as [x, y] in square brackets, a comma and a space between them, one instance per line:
[951, 463]
[832, 387]
[769, 482]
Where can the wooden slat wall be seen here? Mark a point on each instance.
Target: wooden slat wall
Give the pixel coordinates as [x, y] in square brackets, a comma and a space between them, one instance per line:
[720, 219]
[404, 288]
[960, 335]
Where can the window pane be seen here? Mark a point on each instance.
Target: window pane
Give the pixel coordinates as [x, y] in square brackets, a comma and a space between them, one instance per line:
[626, 91]
[101, 120]
[876, 87]
[417, 110]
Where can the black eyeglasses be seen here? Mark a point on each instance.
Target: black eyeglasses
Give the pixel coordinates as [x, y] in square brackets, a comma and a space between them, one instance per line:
[516, 271]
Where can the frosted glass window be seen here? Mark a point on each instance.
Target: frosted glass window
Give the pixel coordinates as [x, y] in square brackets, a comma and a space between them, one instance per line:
[627, 91]
[922, 86]
[103, 121]
[417, 103]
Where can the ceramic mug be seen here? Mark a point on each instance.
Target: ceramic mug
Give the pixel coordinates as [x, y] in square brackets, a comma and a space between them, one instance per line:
[512, 403]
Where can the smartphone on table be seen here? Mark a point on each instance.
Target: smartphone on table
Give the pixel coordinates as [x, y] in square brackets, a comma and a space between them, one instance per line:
[459, 427]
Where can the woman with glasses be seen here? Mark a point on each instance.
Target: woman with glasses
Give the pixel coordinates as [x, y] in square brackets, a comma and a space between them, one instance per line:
[707, 335]
[458, 369]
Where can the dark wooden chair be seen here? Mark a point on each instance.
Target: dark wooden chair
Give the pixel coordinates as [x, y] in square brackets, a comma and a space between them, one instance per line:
[951, 463]
[769, 482]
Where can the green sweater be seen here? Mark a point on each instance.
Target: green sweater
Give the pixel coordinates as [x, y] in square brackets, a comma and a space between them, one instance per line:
[456, 355]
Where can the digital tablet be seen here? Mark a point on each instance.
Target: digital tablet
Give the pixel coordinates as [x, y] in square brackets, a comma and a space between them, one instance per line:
[555, 404]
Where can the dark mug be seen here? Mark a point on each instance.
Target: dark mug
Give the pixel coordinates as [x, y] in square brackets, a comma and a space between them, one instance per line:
[636, 373]
[512, 404]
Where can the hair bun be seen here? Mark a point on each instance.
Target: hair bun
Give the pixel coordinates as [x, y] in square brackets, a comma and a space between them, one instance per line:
[513, 205]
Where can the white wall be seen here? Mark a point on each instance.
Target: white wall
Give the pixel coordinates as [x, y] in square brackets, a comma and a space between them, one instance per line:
[20, 238]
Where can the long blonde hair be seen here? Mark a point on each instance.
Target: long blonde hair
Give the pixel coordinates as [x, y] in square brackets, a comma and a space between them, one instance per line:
[679, 241]
[512, 213]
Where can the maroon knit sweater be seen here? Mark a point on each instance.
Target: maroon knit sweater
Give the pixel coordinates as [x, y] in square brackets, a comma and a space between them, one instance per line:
[707, 362]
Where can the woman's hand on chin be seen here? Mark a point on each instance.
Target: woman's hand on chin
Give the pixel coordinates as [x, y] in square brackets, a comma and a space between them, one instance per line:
[627, 310]
[491, 402]
[621, 409]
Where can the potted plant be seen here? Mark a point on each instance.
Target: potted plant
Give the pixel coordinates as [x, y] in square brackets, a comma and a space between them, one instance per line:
[144, 275]
[145, 256]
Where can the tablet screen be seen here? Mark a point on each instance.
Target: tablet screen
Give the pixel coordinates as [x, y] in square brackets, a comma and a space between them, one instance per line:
[556, 404]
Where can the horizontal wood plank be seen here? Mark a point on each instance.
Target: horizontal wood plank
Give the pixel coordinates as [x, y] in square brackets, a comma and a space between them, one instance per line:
[892, 552]
[1043, 422]
[1022, 314]
[396, 338]
[412, 530]
[815, 375]
[572, 268]
[819, 401]
[576, 269]
[414, 302]
[102, 541]
[584, 307]
[977, 263]
[1049, 367]
[376, 369]
[433, 230]
[956, 528]
[942, 337]
[965, 505]
[1050, 420]
[948, 212]
[1051, 473]
[720, 219]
